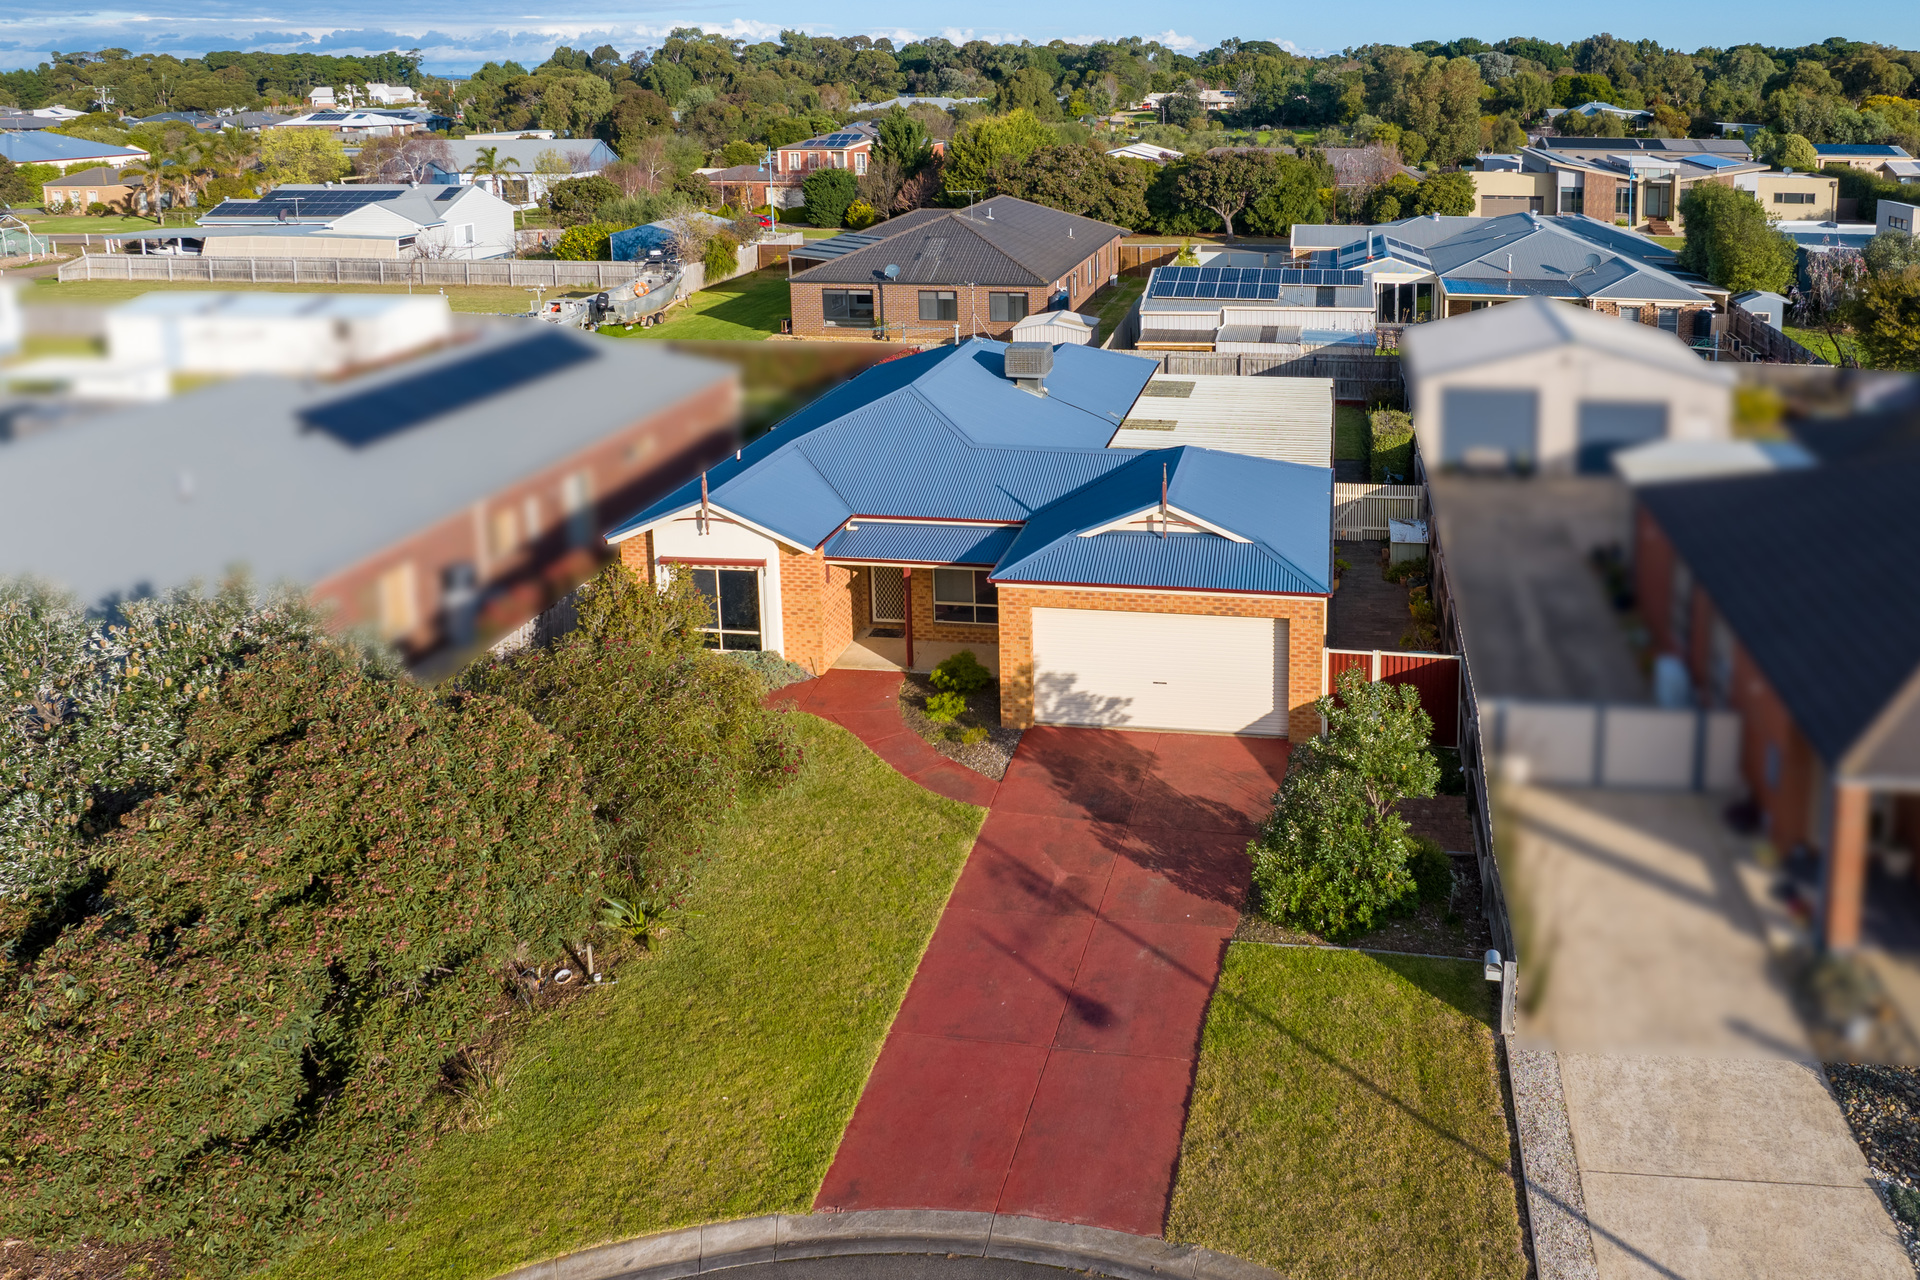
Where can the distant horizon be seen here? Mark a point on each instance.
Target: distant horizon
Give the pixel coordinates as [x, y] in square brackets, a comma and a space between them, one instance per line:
[456, 39]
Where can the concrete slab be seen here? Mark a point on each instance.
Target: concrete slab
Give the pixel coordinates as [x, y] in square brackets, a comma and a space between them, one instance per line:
[665, 1256]
[1705, 1229]
[739, 1243]
[1111, 1253]
[1745, 1119]
[827, 1235]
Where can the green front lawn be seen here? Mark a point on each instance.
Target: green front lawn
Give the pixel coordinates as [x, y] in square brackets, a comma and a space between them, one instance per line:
[482, 299]
[1347, 1120]
[1350, 432]
[47, 224]
[1675, 243]
[747, 306]
[715, 1079]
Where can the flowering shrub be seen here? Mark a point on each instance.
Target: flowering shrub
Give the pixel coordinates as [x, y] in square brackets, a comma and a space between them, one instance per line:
[95, 709]
[1332, 856]
[231, 1034]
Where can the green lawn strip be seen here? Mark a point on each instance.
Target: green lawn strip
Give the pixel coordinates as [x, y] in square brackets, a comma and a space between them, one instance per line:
[715, 1079]
[1113, 302]
[1817, 341]
[80, 224]
[1350, 432]
[1671, 242]
[1347, 1120]
[488, 299]
[745, 307]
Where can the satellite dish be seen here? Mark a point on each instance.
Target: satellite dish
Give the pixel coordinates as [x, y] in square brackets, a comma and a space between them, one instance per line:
[892, 272]
[1593, 260]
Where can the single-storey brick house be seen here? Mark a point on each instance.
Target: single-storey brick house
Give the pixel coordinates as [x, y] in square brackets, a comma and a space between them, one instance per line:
[972, 497]
[1787, 595]
[983, 269]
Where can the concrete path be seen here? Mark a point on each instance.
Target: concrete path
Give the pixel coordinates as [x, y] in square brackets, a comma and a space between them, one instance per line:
[1707, 1141]
[1041, 1061]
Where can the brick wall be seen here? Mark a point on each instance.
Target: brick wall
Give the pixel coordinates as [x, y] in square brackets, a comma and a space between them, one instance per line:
[1599, 197]
[1306, 639]
[898, 305]
[1776, 761]
[816, 609]
[628, 468]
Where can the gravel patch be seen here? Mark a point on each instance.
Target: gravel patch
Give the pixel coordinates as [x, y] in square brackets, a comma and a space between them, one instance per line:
[1882, 1106]
[989, 756]
[1556, 1207]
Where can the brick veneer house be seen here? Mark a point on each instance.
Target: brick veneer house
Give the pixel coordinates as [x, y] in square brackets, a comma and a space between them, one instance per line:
[1785, 595]
[936, 504]
[431, 500]
[982, 269]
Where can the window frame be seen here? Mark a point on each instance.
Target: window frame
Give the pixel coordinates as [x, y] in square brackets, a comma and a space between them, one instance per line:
[1004, 302]
[720, 631]
[983, 598]
[848, 319]
[943, 300]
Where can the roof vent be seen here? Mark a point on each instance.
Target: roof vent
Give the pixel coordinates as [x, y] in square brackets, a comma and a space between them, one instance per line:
[1028, 364]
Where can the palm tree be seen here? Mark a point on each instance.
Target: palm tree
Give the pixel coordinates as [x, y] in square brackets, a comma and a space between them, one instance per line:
[154, 172]
[489, 164]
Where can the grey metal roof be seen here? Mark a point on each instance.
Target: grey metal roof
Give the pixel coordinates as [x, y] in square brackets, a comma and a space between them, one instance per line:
[1808, 568]
[527, 151]
[39, 148]
[1001, 241]
[1715, 146]
[1526, 247]
[1538, 324]
[264, 471]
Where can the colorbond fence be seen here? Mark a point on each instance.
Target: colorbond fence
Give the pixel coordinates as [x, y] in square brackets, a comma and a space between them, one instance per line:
[1435, 675]
[1362, 510]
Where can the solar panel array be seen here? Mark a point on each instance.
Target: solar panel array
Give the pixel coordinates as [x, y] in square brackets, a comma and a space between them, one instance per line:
[1241, 282]
[324, 203]
[831, 140]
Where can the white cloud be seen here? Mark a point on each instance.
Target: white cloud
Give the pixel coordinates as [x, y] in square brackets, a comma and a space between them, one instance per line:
[899, 35]
[1174, 40]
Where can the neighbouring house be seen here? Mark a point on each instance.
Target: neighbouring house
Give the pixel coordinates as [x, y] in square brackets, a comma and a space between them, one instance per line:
[978, 497]
[1211, 99]
[983, 269]
[522, 182]
[359, 124]
[81, 189]
[1867, 157]
[849, 148]
[1539, 385]
[1621, 180]
[1780, 592]
[64, 153]
[1765, 303]
[1146, 151]
[1354, 168]
[1279, 311]
[1902, 171]
[390, 95]
[396, 221]
[431, 500]
[30, 118]
[321, 98]
[778, 183]
[1435, 267]
[1893, 215]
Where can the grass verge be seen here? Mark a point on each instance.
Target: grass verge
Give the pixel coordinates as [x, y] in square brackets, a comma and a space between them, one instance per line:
[1347, 1120]
[489, 299]
[745, 307]
[1113, 301]
[715, 1079]
[1350, 433]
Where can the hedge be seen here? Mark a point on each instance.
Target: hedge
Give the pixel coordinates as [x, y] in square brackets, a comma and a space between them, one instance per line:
[1390, 446]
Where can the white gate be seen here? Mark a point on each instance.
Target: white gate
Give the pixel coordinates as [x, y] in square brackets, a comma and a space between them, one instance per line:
[1362, 510]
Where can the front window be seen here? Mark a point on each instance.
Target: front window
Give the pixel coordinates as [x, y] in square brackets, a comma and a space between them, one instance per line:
[1623, 199]
[847, 306]
[733, 608]
[1573, 200]
[965, 595]
[940, 304]
[1793, 197]
[1006, 307]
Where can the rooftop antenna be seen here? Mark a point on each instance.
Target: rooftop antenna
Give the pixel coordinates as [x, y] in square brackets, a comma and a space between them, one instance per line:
[1163, 500]
[704, 515]
[969, 193]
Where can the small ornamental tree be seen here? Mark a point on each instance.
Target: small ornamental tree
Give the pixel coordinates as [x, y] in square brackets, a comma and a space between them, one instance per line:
[589, 242]
[829, 192]
[1886, 319]
[573, 201]
[1731, 241]
[1332, 857]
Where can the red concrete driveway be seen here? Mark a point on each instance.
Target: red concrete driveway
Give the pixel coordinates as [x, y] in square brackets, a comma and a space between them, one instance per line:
[1041, 1061]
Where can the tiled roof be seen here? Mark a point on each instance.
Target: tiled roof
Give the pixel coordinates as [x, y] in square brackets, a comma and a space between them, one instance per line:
[1001, 241]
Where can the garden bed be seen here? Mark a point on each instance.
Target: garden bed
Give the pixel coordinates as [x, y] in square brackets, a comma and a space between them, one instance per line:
[1882, 1106]
[994, 744]
[1452, 928]
[1348, 1120]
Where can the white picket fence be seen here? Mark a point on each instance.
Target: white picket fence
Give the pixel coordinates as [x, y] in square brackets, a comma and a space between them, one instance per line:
[1613, 745]
[1362, 510]
[418, 271]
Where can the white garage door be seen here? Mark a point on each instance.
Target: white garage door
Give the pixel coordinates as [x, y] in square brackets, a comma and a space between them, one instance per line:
[1160, 671]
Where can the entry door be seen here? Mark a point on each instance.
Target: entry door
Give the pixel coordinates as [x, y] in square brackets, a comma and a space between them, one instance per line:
[1160, 671]
[888, 598]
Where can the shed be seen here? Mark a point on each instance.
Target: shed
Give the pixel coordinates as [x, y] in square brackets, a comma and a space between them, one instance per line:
[1770, 307]
[1057, 327]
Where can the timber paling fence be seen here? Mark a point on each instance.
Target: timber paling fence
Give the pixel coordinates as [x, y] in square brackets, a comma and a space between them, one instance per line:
[1367, 378]
[427, 272]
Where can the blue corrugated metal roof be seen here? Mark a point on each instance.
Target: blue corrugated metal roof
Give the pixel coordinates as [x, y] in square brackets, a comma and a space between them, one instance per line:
[939, 435]
[40, 147]
[900, 543]
[1859, 149]
[1283, 508]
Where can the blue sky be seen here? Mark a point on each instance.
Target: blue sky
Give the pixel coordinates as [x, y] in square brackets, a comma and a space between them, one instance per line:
[458, 35]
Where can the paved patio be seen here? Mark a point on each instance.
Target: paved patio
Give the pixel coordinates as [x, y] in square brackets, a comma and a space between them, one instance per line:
[1041, 1061]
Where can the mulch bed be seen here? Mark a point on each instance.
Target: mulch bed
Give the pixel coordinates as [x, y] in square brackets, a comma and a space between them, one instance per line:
[989, 756]
[20, 1260]
[1882, 1106]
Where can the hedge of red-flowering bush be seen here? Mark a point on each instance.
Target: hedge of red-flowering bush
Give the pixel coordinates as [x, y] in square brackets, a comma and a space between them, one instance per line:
[230, 1034]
